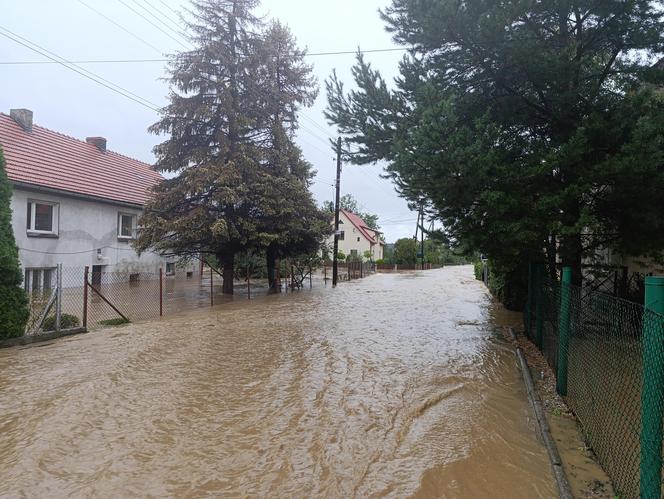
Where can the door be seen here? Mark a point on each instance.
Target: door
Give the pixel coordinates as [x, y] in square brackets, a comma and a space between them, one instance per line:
[96, 275]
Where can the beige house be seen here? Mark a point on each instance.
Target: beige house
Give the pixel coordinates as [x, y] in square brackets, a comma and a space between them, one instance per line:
[356, 237]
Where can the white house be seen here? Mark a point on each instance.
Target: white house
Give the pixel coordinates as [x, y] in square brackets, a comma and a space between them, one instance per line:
[74, 202]
[356, 237]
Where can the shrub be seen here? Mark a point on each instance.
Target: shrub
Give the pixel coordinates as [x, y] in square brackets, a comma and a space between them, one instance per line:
[14, 311]
[67, 321]
[380, 261]
[477, 267]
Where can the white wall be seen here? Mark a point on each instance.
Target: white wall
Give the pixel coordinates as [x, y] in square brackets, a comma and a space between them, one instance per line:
[350, 242]
[84, 227]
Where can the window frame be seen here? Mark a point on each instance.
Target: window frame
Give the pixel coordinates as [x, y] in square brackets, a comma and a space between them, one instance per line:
[31, 216]
[134, 218]
[37, 275]
[342, 235]
[172, 268]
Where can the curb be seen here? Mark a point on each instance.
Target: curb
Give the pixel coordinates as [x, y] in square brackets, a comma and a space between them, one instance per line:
[564, 490]
[28, 340]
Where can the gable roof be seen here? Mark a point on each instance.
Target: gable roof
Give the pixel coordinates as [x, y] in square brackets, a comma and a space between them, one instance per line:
[49, 159]
[368, 233]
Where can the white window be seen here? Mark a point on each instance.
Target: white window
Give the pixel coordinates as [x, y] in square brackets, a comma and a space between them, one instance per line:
[341, 235]
[170, 268]
[38, 280]
[42, 218]
[126, 225]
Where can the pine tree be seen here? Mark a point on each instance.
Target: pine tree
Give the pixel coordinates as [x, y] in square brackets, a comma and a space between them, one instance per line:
[13, 301]
[514, 120]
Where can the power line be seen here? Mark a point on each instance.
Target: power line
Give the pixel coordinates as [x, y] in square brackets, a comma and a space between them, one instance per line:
[141, 61]
[153, 24]
[177, 32]
[169, 8]
[83, 72]
[161, 12]
[110, 21]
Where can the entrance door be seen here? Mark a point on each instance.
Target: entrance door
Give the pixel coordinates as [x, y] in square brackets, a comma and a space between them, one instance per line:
[96, 275]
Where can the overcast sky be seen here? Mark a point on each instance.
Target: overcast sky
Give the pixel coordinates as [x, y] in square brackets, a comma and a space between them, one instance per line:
[67, 102]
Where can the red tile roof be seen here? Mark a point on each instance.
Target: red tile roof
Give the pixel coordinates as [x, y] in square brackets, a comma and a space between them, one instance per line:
[361, 225]
[50, 159]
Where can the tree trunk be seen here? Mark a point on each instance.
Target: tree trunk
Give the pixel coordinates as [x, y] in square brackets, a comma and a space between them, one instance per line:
[228, 265]
[272, 264]
[571, 254]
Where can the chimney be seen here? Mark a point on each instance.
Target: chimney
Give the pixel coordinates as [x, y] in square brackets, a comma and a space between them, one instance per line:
[23, 117]
[98, 142]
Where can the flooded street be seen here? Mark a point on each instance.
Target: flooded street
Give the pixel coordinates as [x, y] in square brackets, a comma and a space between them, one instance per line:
[393, 386]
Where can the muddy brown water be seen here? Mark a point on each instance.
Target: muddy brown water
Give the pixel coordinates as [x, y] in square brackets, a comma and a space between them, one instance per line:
[393, 386]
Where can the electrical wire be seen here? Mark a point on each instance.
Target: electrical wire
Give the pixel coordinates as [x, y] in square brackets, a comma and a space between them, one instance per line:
[83, 72]
[76, 252]
[153, 24]
[177, 32]
[131, 61]
[110, 21]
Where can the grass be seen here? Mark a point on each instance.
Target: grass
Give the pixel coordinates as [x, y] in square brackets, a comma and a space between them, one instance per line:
[118, 321]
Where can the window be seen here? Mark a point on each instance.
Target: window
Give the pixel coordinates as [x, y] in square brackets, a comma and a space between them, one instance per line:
[42, 218]
[39, 279]
[358, 239]
[353, 253]
[126, 225]
[170, 268]
[341, 235]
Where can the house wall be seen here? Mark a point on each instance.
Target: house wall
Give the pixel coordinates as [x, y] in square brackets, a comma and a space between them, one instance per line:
[84, 227]
[350, 242]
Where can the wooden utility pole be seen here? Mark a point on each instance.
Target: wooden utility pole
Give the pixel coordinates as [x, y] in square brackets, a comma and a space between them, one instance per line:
[335, 264]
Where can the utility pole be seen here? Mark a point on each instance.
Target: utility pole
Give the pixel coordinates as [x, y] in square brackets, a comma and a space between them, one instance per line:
[335, 264]
[422, 235]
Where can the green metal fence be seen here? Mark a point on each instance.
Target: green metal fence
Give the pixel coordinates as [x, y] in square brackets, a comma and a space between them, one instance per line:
[608, 356]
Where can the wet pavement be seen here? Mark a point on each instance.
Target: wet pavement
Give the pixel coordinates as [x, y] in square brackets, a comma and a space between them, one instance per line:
[396, 385]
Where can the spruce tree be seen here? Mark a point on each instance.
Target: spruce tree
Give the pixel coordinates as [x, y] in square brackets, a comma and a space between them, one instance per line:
[241, 184]
[209, 206]
[296, 225]
[13, 301]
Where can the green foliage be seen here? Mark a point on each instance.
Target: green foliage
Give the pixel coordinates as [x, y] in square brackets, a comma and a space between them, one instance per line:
[14, 311]
[341, 256]
[118, 321]
[67, 321]
[241, 182]
[349, 203]
[478, 267]
[405, 251]
[380, 261]
[543, 162]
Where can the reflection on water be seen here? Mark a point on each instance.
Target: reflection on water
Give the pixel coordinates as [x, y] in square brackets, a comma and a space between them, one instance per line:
[395, 385]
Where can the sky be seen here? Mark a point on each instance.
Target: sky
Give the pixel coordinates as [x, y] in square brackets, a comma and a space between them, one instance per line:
[84, 30]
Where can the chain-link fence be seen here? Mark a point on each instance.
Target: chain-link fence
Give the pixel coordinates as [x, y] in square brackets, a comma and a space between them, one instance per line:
[60, 299]
[608, 354]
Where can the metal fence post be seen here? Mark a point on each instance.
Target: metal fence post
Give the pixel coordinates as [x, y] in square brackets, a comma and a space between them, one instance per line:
[652, 394]
[539, 319]
[161, 291]
[563, 330]
[58, 298]
[85, 297]
[211, 288]
[529, 299]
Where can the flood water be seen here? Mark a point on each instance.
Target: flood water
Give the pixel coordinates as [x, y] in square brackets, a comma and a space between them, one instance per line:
[397, 385]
